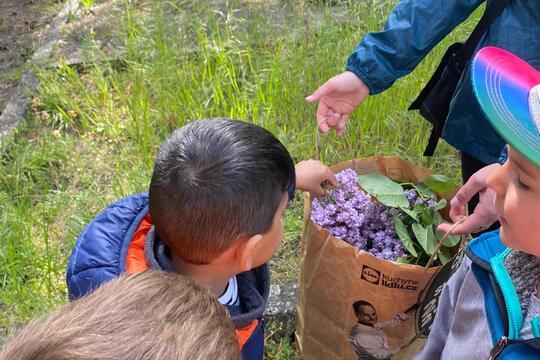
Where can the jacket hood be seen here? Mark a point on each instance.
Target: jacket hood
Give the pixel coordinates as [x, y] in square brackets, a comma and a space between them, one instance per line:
[253, 285]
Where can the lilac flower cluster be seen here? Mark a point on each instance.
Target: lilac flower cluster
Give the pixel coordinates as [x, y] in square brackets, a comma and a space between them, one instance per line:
[349, 214]
[381, 233]
[414, 199]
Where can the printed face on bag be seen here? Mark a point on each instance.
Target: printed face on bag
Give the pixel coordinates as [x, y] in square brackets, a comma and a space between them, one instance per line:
[517, 188]
[366, 315]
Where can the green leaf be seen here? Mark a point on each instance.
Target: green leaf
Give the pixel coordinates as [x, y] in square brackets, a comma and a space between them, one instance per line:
[424, 190]
[420, 233]
[445, 255]
[426, 217]
[403, 260]
[388, 192]
[426, 238]
[411, 213]
[87, 3]
[432, 241]
[451, 240]
[440, 204]
[437, 218]
[404, 236]
[439, 183]
[419, 209]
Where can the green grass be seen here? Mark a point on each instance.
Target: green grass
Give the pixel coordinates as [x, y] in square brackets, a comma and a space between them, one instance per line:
[93, 130]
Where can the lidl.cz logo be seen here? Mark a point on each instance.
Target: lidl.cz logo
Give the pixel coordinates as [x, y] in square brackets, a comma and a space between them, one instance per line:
[370, 274]
[376, 277]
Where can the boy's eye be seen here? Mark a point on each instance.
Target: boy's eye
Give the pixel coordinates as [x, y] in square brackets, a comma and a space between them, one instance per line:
[520, 184]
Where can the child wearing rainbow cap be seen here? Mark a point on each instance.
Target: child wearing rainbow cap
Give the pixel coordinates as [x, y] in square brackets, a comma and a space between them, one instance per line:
[490, 308]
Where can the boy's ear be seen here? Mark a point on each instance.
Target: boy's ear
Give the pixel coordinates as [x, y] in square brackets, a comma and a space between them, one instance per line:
[247, 252]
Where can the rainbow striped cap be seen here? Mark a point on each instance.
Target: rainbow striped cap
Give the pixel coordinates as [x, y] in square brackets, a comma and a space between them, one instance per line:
[508, 90]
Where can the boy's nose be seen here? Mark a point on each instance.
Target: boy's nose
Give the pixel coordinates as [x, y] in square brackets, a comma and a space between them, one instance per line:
[497, 180]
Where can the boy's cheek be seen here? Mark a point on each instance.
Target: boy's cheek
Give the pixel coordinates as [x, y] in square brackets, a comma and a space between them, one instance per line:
[502, 235]
[530, 234]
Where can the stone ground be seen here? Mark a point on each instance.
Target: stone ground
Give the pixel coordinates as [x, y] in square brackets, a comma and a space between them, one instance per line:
[96, 28]
[22, 23]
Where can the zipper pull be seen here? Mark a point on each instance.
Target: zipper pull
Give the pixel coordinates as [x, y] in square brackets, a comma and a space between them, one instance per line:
[499, 347]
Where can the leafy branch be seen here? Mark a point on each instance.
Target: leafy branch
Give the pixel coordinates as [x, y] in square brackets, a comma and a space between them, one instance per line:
[418, 214]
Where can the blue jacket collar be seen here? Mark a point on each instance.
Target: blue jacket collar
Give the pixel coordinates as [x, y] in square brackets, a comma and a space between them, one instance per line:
[515, 272]
[481, 249]
[253, 285]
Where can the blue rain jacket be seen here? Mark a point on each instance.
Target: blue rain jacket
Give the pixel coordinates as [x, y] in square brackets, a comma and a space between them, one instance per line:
[414, 27]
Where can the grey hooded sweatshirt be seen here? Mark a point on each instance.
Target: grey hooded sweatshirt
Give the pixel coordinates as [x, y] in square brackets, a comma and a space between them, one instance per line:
[460, 329]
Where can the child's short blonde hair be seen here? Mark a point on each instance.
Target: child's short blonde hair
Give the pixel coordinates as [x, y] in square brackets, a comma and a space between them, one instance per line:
[150, 315]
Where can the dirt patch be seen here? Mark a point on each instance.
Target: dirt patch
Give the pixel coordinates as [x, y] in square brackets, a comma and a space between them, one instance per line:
[92, 35]
[22, 23]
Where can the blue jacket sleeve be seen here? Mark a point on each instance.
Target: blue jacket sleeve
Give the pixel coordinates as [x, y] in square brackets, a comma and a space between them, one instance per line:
[412, 29]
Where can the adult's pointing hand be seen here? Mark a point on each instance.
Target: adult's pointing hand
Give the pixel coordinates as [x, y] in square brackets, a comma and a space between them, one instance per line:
[337, 98]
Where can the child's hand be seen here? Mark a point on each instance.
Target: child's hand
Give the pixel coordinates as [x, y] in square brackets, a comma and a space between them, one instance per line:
[310, 174]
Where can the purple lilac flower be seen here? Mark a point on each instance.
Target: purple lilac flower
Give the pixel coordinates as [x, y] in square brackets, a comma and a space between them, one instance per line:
[343, 212]
[349, 214]
[411, 195]
[431, 203]
[416, 200]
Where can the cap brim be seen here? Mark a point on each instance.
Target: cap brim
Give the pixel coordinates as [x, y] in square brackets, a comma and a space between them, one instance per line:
[502, 82]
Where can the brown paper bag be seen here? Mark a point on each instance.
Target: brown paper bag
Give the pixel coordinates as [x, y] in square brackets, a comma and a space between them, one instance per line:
[398, 300]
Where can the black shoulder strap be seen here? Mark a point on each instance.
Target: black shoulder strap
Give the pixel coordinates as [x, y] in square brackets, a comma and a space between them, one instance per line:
[490, 14]
[457, 62]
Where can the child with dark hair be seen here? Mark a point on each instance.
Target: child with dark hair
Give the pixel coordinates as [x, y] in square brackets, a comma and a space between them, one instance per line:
[151, 315]
[213, 213]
